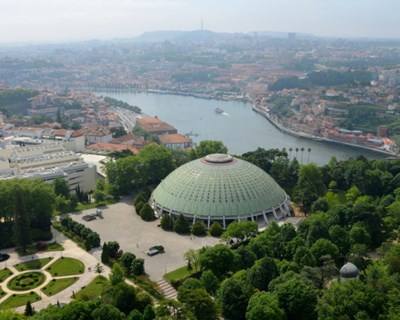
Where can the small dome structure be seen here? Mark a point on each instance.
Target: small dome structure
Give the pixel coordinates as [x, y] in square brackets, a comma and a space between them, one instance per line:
[220, 187]
[349, 271]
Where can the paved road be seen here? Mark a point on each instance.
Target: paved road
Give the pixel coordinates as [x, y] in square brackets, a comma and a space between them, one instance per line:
[122, 224]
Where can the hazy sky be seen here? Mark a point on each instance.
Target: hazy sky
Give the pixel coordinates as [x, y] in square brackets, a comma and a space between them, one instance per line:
[65, 20]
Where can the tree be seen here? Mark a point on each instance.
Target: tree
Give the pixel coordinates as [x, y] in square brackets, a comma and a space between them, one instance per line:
[304, 257]
[22, 230]
[113, 249]
[173, 310]
[137, 267]
[199, 228]
[340, 237]
[262, 273]
[187, 286]
[209, 281]
[245, 258]
[216, 229]
[61, 188]
[240, 230]
[359, 234]
[127, 259]
[392, 258]
[263, 305]
[121, 296]
[324, 247]
[296, 295]
[117, 274]
[234, 296]
[135, 315]
[193, 260]
[148, 313]
[199, 302]
[207, 147]
[181, 226]
[167, 222]
[147, 213]
[351, 298]
[310, 186]
[29, 311]
[107, 312]
[219, 259]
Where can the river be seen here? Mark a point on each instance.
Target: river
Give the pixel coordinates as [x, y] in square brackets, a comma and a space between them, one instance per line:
[239, 127]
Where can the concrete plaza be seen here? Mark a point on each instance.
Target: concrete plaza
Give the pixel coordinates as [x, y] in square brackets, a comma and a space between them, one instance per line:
[122, 224]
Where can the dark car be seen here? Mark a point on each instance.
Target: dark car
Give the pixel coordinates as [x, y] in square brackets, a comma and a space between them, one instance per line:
[4, 257]
[89, 217]
[154, 250]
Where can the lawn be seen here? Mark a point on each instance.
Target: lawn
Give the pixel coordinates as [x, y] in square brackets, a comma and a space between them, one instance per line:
[93, 289]
[4, 274]
[26, 281]
[178, 274]
[18, 300]
[33, 264]
[66, 267]
[57, 285]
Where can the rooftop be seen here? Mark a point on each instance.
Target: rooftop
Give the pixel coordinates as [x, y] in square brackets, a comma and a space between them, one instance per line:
[219, 185]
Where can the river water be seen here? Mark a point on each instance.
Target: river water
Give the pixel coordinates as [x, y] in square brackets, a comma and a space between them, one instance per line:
[239, 127]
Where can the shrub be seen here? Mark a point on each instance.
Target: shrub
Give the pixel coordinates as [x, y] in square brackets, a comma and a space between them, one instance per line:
[127, 259]
[139, 207]
[167, 222]
[137, 267]
[199, 228]
[216, 229]
[147, 213]
[181, 226]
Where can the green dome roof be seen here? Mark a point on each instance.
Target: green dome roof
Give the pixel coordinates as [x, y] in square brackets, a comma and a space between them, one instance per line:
[218, 185]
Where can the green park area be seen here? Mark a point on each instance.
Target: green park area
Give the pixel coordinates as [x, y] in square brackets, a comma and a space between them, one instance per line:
[178, 274]
[66, 267]
[26, 281]
[33, 264]
[4, 274]
[57, 285]
[93, 289]
[18, 300]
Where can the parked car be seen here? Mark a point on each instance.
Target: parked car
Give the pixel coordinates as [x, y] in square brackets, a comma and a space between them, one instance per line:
[89, 217]
[4, 257]
[154, 250]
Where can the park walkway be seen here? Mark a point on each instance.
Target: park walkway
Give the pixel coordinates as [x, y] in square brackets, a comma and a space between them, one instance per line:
[72, 250]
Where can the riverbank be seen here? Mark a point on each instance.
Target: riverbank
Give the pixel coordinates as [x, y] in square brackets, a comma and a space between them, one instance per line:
[205, 96]
[304, 135]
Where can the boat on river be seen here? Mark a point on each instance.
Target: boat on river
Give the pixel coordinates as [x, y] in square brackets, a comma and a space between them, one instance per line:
[218, 110]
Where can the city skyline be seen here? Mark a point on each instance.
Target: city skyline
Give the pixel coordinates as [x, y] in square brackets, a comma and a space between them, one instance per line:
[60, 20]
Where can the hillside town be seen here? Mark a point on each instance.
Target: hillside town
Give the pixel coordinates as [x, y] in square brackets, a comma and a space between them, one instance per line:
[72, 135]
[313, 87]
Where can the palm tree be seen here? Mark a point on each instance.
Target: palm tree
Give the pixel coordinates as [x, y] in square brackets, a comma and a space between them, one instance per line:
[302, 151]
[297, 150]
[193, 260]
[309, 151]
[290, 152]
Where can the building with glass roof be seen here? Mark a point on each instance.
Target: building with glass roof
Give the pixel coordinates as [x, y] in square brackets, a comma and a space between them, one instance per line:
[220, 188]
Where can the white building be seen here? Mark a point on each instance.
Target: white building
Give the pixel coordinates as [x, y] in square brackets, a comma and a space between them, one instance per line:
[47, 161]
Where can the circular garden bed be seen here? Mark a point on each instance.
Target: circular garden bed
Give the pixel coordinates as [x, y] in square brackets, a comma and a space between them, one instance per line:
[26, 281]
